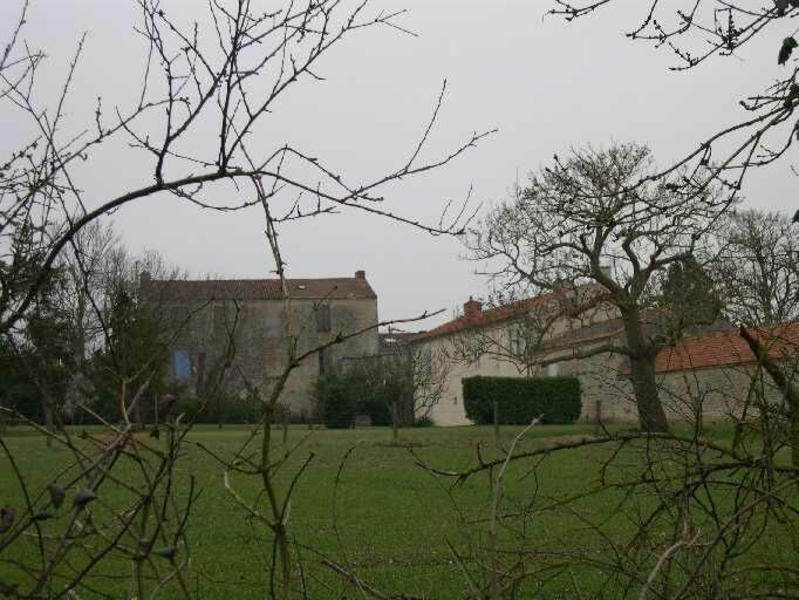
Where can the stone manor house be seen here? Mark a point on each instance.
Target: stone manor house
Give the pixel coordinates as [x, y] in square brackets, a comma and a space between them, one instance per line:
[237, 330]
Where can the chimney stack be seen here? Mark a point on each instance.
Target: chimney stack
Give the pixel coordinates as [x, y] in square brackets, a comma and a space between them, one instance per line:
[472, 308]
[360, 274]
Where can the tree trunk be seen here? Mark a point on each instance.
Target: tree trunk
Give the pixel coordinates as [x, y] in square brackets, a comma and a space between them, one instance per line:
[784, 385]
[49, 421]
[651, 415]
[137, 416]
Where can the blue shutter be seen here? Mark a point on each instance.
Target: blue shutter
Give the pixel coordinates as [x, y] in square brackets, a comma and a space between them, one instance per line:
[181, 364]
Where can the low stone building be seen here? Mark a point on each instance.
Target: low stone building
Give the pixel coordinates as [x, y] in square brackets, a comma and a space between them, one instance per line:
[715, 376]
[512, 340]
[711, 375]
[237, 331]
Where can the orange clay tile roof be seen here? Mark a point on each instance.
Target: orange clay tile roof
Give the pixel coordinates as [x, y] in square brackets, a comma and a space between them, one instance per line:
[486, 317]
[724, 348]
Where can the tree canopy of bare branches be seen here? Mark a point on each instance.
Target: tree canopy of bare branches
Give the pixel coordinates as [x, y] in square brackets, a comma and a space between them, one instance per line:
[225, 73]
[697, 31]
[594, 218]
[758, 269]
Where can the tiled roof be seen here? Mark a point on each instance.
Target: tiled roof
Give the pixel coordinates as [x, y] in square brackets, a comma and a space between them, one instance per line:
[333, 288]
[726, 348]
[487, 317]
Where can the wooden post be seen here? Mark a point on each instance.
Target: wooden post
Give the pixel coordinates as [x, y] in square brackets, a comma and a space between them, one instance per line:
[394, 417]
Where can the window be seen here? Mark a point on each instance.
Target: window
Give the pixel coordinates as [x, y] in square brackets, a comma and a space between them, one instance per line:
[323, 317]
[181, 364]
[322, 361]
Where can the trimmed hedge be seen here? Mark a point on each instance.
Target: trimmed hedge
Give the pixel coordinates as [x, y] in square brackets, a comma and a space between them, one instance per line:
[521, 399]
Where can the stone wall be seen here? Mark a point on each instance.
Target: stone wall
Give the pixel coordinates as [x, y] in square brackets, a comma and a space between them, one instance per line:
[601, 382]
[719, 393]
[257, 330]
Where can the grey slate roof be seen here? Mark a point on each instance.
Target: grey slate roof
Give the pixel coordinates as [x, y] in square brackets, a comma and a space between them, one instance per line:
[333, 288]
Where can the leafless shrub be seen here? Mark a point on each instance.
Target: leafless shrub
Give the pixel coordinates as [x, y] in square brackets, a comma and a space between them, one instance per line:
[696, 33]
[226, 76]
[692, 513]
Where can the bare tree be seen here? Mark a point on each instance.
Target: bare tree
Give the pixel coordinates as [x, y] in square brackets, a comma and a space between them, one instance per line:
[594, 218]
[757, 268]
[429, 372]
[404, 383]
[226, 75]
[682, 517]
[85, 324]
[270, 506]
[701, 30]
[417, 378]
[523, 336]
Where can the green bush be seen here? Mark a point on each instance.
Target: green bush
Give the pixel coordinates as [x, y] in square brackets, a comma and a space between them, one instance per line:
[424, 421]
[375, 404]
[337, 400]
[521, 399]
[342, 396]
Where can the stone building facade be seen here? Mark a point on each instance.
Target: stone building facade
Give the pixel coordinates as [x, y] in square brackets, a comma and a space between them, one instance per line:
[493, 342]
[237, 331]
[712, 375]
[715, 376]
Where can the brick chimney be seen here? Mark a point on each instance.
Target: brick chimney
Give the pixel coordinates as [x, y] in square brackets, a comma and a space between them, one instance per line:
[472, 308]
[360, 274]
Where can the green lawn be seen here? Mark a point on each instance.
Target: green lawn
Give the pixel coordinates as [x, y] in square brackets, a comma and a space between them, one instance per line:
[391, 521]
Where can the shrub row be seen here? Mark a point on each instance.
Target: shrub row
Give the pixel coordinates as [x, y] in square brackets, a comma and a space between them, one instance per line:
[521, 399]
[341, 397]
[228, 410]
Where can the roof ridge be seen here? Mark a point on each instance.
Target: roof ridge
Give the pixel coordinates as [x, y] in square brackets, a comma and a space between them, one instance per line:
[491, 315]
[250, 279]
[319, 288]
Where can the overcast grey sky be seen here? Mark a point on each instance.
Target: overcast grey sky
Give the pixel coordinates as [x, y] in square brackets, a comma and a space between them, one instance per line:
[544, 84]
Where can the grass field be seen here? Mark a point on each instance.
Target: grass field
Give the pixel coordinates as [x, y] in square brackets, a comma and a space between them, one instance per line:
[389, 521]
